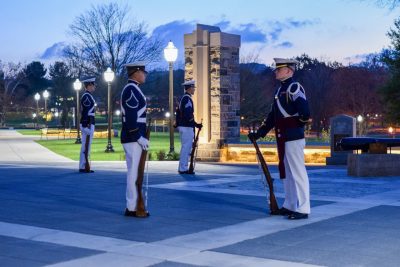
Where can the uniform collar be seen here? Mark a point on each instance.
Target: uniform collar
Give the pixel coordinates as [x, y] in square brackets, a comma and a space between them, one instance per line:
[287, 81]
[133, 81]
[86, 91]
[188, 94]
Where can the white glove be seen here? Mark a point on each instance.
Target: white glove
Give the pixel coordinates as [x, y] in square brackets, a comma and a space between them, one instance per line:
[143, 142]
[86, 130]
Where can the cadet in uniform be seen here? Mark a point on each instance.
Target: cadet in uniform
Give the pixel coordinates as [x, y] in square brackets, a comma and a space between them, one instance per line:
[133, 107]
[186, 124]
[87, 120]
[289, 113]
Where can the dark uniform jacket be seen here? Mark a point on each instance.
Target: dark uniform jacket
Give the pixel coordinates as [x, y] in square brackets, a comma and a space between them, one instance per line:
[289, 99]
[185, 112]
[289, 113]
[133, 111]
[88, 109]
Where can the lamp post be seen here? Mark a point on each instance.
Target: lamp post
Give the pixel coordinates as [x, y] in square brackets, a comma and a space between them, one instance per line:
[391, 131]
[45, 96]
[117, 113]
[37, 98]
[170, 54]
[34, 116]
[360, 120]
[109, 77]
[77, 87]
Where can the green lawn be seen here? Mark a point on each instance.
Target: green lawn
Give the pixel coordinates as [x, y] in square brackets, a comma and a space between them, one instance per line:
[29, 131]
[67, 148]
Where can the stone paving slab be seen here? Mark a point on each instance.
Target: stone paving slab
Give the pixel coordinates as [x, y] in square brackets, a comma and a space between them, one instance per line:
[22, 252]
[362, 238]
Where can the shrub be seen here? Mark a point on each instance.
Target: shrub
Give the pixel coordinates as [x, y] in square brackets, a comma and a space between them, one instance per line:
[161, 155]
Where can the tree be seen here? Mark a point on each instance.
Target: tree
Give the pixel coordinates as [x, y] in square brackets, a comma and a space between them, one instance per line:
[391, 90]
[106, 37]
[11, 78]
[316, 76]
[62, 87]
[35, 79]
[256, 93]
[355, 90]
[391, 4]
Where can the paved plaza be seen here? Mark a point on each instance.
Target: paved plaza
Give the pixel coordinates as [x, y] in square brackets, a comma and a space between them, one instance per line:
[51, 215]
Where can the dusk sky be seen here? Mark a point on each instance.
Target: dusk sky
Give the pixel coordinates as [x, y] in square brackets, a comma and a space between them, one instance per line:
[341, 30]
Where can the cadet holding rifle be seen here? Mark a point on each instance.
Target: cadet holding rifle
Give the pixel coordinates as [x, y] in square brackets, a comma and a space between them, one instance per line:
[186, 124]
[289, 113]
[133, 133]
[87, 123]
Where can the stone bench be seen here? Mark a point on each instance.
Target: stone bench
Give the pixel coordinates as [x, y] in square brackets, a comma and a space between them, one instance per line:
[374, 159]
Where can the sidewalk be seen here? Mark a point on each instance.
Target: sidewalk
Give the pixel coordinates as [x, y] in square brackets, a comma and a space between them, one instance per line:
[16, 147]
[55, 216]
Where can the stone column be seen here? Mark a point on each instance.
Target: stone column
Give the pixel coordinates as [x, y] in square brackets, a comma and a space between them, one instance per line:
[212, 60]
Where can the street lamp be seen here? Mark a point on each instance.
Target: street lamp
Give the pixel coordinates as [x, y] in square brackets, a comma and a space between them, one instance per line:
[37, 98]
[170, 54]
[391, 131]
[56, 115]
[77, 86]
[117, 113]
[109, 77]
[360, 120]
[45, 96]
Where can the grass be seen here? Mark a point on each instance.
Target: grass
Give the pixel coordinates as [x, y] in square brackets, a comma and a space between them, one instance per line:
[67, 148]
[29, 131]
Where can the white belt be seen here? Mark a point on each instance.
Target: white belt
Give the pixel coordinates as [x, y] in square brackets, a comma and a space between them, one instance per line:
[142, 120]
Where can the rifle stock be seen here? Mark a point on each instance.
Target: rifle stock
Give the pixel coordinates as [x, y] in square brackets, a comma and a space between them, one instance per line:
[273, 205]
[193, 152]
[140, 206]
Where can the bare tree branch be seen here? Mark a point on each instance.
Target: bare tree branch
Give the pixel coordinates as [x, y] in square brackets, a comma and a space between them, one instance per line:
[106, 37]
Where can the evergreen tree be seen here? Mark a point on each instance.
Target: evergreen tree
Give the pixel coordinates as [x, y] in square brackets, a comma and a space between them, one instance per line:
[391, 90]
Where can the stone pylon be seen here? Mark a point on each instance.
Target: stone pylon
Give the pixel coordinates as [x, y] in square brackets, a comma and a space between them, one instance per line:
[212, 60]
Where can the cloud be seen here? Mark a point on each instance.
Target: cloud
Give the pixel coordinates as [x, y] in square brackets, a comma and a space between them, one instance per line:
[278, 27]
[284, 45]
[249, 32]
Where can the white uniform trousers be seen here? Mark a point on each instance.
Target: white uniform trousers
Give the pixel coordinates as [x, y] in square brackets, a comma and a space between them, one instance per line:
[133, 151]
[187, 136]
[82, 159]
[296, 183]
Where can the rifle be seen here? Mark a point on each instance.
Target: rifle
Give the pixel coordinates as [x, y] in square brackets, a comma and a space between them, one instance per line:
[193, 152]
[273, 205]
[87, 165]
[140, 206]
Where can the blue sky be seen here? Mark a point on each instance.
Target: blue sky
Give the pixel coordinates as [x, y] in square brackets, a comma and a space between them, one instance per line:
[341, 30]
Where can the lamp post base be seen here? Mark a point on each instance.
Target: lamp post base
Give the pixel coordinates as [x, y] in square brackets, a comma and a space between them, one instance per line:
[109, 148]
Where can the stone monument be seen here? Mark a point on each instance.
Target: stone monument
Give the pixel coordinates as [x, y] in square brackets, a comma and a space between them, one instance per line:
[341, 126]
[212, 60]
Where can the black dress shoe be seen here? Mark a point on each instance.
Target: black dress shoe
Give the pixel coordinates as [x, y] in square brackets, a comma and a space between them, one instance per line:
[130, 213]
[298, 216]
[190, 172]
[83, 170]
[285, 212]
[183, 172]
[133, 214]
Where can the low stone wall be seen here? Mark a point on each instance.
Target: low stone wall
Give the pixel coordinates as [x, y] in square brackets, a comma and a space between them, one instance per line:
[364, 165]
[246, 153]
